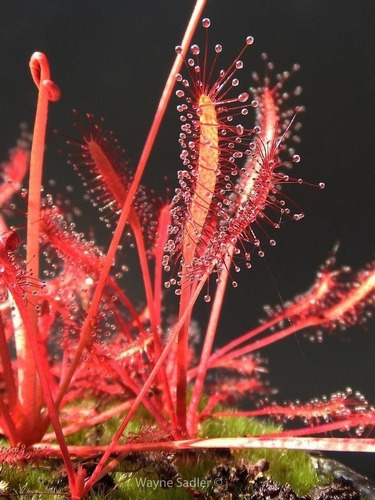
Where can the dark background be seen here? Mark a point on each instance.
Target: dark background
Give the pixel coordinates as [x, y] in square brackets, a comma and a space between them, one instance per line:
[112, 58]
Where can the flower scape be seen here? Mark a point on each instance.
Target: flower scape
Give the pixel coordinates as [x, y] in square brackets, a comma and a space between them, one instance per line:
[96, 380]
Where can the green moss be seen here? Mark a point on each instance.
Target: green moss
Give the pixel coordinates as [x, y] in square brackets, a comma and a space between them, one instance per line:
[286, 466]
[31, 482]
[138, 476]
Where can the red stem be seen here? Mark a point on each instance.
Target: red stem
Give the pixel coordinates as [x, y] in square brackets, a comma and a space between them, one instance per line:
[356, 421]
[90, 319]
[291, 443]
[127, 303]
[100, 470]
[182, 359]
[124, 379]
[42, 370]
[151, 308]
[259, 344]
[164, 222]
[29, 393]
[208, 343]
[7, 369]
[65, 351]
[243, 338]
[90, 421]
[9, 428]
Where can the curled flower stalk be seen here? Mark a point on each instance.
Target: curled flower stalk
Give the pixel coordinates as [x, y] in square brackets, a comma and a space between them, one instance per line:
[29, 392]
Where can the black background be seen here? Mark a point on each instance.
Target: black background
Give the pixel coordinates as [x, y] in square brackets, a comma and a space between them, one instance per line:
[112, 58]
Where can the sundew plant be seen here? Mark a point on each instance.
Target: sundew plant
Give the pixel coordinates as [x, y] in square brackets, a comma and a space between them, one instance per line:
[129, 308]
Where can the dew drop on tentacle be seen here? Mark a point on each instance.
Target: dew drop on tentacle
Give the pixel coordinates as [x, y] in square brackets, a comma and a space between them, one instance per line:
[195, 49]
[10, 240]
[206, 22]
[298, 216]
[243, 97]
